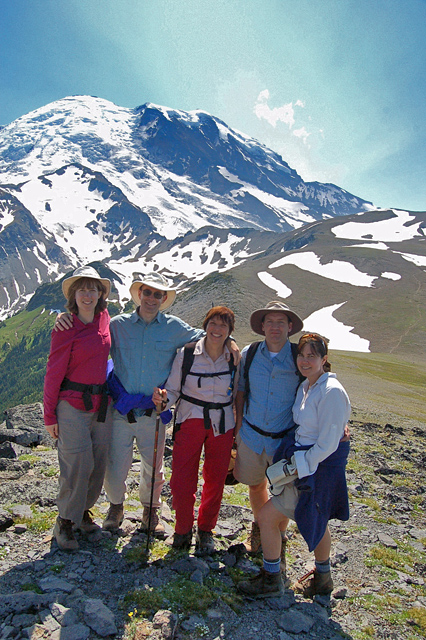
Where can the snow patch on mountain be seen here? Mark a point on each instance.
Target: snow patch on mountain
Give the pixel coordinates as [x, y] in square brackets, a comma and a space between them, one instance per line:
[381, 246]
[199, 258]
[420, 261]
[394, 228]
[340, 335]
[280, 289]
[335, 270]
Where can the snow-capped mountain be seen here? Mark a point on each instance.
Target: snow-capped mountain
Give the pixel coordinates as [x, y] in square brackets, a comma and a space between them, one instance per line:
[82, 180]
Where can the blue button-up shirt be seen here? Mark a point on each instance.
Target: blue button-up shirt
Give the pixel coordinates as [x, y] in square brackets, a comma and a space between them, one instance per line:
[143, 352]
[273, 386]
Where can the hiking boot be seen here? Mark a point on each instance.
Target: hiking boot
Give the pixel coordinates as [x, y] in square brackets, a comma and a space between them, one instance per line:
[264, 585]
[204, 543]
[88, 525]
[64, 535]
[182, 541]
[157, 527]
[253, 544]
[114, 517]
[319, 584]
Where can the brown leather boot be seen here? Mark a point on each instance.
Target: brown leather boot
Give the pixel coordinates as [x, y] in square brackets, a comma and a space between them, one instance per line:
[315, 584]
[264, 585]
[88, 525]
[114, 517]
[64, 535]
[157, 527]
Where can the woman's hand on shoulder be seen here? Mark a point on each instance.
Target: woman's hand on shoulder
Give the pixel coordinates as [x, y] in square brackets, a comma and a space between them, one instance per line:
[234, 349]
[53, 429]
[63, 322]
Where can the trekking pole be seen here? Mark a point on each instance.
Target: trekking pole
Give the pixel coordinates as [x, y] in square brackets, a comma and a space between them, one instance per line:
[159, 409]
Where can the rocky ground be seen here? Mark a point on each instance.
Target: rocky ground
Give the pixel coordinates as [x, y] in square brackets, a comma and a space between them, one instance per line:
[107, 588]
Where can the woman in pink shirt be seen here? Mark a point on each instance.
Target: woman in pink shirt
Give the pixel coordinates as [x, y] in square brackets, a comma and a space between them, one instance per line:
[76, 408]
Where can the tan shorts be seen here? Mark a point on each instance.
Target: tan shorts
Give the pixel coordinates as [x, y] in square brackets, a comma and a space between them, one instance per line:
[287, 501]
[250, 467]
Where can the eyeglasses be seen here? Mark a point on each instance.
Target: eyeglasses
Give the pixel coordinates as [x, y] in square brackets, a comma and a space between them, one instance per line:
[158, 295]
[316, 337]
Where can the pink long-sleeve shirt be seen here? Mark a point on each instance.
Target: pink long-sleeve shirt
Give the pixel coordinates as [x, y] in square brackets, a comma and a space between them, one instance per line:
[79, 354]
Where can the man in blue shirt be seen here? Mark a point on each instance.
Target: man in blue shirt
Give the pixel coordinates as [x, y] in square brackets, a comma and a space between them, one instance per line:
[266, 414]
[143, 346]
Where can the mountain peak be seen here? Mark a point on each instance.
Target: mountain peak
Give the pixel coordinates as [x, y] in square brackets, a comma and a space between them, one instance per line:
[101, 181]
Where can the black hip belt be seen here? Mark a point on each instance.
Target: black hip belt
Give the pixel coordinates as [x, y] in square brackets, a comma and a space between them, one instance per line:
[207, 407]
[89, 390]
[268, 434]
[132, 418]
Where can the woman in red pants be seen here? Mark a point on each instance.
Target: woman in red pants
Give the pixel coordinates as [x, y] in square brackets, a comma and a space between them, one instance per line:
[201, 383]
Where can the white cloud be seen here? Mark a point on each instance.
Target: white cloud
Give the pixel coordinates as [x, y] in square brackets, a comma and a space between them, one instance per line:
[285, 113]
[301, 133]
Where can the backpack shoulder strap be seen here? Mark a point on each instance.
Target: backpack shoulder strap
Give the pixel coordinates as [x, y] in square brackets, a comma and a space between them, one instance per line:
[188, 359]
[251, 352]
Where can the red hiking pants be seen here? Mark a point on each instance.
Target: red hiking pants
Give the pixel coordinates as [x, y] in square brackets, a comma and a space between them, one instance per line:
[189, 441]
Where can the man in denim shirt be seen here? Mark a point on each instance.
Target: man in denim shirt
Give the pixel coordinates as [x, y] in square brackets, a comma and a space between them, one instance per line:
[264, 417]
[144, 345]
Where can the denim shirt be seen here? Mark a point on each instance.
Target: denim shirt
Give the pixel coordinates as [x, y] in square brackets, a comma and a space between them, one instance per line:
[143, 352]
[273, 386]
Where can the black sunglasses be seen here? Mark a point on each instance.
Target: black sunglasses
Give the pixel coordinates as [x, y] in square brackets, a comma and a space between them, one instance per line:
[157, 294]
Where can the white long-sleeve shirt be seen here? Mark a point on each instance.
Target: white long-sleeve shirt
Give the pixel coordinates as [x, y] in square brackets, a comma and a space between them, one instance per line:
[321, 411]
[213, 389]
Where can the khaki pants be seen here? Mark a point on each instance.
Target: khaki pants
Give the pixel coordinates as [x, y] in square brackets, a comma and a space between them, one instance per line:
[83, 444]
[120, 458]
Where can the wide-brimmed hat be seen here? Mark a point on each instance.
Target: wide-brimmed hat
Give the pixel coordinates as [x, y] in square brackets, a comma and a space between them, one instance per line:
[256, 318]
[85, 272]
[156, 281]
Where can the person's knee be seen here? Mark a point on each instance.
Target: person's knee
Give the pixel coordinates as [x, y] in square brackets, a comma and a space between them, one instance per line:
[268, 516]
[256, 489]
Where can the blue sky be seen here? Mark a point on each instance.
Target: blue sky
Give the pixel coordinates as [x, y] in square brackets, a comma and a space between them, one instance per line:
[337, 87]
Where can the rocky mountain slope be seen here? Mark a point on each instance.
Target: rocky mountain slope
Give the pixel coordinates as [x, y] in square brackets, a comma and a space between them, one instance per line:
[378, 556]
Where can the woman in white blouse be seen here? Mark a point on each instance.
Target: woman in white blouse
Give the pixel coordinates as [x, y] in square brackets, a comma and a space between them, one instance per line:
[204, 417]
[318, 492]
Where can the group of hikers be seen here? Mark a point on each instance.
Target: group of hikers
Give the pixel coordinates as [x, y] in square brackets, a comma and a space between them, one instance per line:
[277, 402]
